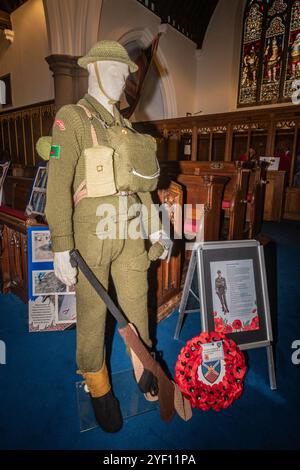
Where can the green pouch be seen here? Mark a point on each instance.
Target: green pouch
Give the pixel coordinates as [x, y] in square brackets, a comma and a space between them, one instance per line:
[135, 163]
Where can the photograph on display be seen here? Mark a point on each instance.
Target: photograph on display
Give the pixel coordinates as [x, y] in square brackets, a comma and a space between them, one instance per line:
[41, 178]
[52, 312]
[3, 172]
[42, 312]
[37, 200]
[234, 296]
[66, 308]
[51, 304]
[41, 246]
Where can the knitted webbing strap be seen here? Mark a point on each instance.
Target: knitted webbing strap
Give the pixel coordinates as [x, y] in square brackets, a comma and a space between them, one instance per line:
[110, 100]
[93, 131]
[81, 191]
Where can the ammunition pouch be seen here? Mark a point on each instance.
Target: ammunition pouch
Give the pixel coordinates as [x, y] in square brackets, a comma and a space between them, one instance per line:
[99, 172]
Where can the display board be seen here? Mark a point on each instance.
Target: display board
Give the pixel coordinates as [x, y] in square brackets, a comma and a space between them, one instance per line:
[52, 304]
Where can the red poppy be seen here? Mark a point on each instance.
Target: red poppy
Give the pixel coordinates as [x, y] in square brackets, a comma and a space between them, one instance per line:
[255, 323]
[228, 329]
[219, 325]
[247, 328]
[237, 325]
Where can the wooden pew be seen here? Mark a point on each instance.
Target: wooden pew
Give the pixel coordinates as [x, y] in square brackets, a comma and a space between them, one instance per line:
[16, 192]
[199, 189]
[256, 196]
[233, 198]
[13, 236]
[165, 277]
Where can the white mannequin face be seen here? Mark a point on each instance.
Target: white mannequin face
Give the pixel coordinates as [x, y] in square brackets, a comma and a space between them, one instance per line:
[113, 76]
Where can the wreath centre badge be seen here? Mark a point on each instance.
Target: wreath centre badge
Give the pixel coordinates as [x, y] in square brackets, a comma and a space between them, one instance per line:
[212, 369]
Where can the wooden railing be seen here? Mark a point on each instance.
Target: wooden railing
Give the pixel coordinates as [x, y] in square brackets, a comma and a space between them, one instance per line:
[21, 128]
[226, 136]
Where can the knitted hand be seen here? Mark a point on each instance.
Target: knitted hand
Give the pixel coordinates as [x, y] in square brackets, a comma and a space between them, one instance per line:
[63, 269]
[43, 147]
[164, 241]
[155, 251]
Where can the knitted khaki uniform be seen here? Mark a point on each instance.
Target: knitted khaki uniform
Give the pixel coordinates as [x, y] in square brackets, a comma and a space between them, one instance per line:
[125, 259]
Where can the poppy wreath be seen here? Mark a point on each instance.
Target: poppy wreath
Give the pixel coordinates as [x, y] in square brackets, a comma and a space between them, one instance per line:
[204, 395]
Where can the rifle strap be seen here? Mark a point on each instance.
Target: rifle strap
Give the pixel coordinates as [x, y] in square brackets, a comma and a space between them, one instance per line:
[182, 404]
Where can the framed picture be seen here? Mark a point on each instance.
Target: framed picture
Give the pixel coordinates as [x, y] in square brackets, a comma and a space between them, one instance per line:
[273, 162]
[3, 172]
[37, 200]
[226, 282]
[41, 246]
[233, 291]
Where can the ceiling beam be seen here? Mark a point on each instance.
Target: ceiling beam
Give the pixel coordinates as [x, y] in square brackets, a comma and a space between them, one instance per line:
[191, 17]
[5, 22]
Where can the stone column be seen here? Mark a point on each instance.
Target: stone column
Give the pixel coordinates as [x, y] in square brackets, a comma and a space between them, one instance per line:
[70, 80]
[73, 27]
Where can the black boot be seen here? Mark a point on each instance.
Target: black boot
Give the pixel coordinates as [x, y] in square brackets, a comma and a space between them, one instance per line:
[148, 383]
[107, 412]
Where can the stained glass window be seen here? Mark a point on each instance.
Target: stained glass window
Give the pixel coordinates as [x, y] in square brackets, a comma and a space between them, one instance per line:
[272, 59]
[251, 51]
[293, 55]
[270, 56]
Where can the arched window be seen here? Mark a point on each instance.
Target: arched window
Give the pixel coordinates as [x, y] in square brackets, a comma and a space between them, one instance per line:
[251, 47]
[292, 71]
[270, 56]
[2, 92]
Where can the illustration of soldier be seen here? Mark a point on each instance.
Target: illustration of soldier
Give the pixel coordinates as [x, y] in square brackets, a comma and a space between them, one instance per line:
[295, 57]
[273, 59]
[221, 288]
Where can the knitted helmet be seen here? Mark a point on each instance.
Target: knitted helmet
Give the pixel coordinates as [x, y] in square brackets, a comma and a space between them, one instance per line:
[107, 50]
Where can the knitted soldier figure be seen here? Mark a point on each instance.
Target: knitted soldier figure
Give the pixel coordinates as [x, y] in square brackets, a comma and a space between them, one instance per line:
[73, 217]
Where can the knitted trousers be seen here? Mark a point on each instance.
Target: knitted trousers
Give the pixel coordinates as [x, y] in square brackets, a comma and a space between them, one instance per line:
[126, 260]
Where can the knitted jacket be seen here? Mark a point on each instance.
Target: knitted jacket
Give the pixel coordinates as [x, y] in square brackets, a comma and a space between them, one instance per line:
[71, 135]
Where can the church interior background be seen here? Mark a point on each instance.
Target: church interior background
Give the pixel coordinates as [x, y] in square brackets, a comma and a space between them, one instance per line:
[218, 88]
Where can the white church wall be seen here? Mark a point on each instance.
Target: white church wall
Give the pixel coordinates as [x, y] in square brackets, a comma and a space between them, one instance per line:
[121, 19]
[31, 78]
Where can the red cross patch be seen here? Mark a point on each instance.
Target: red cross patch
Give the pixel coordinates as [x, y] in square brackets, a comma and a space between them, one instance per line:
[60, 124]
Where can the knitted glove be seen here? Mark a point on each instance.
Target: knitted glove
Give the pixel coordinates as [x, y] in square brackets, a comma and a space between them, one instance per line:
[162, 238]
[155, 251]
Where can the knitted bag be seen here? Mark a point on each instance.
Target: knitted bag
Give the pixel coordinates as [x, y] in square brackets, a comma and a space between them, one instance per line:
[134, 160]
